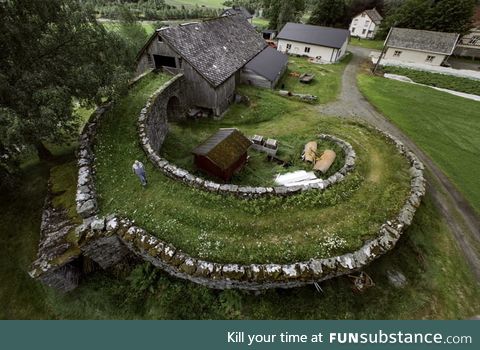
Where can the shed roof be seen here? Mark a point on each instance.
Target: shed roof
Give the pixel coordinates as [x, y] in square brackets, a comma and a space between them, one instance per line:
[224, 147]
[322, 36]
[374, 15]
[237, 10]
[216, 48]
[422, 40]
[269, 63]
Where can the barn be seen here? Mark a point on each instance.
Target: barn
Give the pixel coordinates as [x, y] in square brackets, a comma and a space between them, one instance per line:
[210, 55]
[222, 154]
[266, 69]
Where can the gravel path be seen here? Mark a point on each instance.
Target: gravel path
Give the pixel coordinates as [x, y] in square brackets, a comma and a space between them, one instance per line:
[459, 215]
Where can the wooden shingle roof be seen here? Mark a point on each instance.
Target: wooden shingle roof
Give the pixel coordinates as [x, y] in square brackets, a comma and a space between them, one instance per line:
[224, 148]
[216, 48]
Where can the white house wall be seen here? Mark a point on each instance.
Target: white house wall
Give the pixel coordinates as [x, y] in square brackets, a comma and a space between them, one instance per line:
[412, 56]
[359, 24]
[327, 54]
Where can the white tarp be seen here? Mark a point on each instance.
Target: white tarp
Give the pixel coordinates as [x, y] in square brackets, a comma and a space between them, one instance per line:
[297, 178]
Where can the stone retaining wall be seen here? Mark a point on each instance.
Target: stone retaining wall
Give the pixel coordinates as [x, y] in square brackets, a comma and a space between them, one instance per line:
[108, 240]
[153, 128]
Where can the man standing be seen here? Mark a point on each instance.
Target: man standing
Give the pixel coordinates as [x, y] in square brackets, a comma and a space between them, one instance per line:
[139, 170]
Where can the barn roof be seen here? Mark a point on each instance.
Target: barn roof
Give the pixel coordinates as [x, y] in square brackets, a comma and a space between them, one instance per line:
[269, 63]
[224, 148]
[216, 48]
[422, 40]
[237, 10]
[374, 15]
[316, 35]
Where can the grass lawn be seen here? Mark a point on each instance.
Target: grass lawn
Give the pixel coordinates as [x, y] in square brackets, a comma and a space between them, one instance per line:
[325, 85]
[225, 229]
[439, 283]
[260, 22]
[468, 86]
[446, 127]
[193, 3]
[367, 43]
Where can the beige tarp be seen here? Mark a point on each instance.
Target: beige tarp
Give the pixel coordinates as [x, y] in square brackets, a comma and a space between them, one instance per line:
[325, 161]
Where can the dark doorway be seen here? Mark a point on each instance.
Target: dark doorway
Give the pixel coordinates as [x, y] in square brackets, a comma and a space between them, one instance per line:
[174, 110]
[164, 61]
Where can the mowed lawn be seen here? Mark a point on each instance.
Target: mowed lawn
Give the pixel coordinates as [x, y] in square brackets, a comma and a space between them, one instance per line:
[192, 3]
[366, 43]
[446, 127]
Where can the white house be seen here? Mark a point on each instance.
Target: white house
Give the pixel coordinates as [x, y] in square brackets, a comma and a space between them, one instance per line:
[418, 46]
[321, 43]
[365, 24]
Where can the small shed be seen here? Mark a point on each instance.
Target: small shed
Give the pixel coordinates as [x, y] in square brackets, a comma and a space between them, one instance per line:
[222, 154]
[266, 69]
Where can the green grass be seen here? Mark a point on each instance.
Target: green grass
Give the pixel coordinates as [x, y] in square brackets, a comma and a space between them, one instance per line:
[260, 22]
[193, 3]
[258, 171]
[325, 85]
[468, 86]
[226, 229]
[367, 43]
[439, 283]
[446, 127]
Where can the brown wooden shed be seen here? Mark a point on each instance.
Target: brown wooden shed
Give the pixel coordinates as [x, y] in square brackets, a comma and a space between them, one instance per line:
[222, 154]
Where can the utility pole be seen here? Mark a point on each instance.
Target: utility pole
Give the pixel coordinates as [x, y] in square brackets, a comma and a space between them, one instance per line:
[385, 47]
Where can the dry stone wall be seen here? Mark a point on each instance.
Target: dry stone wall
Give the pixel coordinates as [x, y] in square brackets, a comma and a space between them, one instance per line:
[108, 240]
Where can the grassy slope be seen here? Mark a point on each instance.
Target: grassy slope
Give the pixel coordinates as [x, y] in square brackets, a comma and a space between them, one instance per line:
[469, 86]
[191, 3]
[226, 229]
[446, 127]
[439, 284]
[326, 83]
[368, 44]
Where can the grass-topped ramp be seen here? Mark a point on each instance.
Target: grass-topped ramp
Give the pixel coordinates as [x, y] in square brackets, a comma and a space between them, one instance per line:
[313, 224]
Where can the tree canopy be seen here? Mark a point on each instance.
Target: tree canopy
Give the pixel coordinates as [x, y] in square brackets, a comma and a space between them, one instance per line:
[280, 12]
[53, 54]
[329, 13]
[453, 16]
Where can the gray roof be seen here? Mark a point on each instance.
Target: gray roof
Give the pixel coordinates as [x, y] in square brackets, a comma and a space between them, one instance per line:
[422, 40]
[224, 147]
[269, 63]
[237, 10]
[215, 48]
[374, 15]
[316, 35]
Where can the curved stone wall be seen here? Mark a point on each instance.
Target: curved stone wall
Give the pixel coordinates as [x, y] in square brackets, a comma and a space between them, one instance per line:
[153, 128]
[107, 240]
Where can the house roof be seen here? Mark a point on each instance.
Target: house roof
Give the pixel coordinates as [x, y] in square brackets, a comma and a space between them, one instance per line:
[269, 63]
[316, 35]
[422, 40]
[237, 10]
[224, 147]
[374, 15]
[215, 48]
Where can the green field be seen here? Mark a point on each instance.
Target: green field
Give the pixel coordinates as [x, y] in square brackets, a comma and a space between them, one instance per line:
[189, 3]
[325, 85]
[468, 86]
[226, 229]
[367, 43]
[446, 127]
[439, 284]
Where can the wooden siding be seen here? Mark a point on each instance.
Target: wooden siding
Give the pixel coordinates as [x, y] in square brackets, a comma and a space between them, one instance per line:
[207, 166]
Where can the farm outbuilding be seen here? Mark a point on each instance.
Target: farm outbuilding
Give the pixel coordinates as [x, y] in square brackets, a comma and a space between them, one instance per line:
[222, 154]
[265, 69]
[323, 44]
[210, 55]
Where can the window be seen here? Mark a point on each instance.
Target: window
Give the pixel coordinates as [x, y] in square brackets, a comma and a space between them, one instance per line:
[289, 46]
[430, 58]
[159, 38]
[353, 30]
[397, 53]
[364, 31]
[355, 20]
[307, 49]
[366, 23]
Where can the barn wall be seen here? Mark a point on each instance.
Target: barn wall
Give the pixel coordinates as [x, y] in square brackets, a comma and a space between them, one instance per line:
[225, 93]
[249, 77]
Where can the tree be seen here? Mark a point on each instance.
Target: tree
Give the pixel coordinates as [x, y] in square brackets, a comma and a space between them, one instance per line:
[52, 54]
[280, 12]
[328, 13]
[438, 15]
